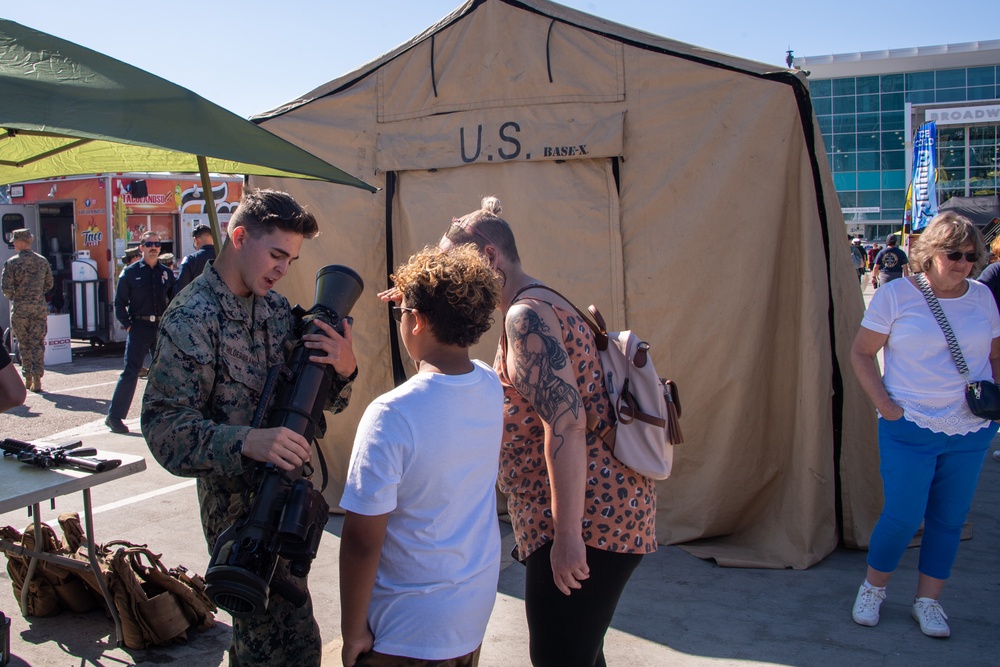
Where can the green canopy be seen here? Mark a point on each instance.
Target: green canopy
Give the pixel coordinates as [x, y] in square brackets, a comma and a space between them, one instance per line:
[67, 110]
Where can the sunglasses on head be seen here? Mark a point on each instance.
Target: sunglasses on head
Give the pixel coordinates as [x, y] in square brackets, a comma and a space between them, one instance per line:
[970, 257]
[397, 312]
[151, 244]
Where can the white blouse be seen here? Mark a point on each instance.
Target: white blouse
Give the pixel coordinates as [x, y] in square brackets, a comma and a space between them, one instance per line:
[920, 374]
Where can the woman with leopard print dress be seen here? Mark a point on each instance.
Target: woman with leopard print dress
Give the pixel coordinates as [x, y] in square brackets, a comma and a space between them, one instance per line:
[582, 519]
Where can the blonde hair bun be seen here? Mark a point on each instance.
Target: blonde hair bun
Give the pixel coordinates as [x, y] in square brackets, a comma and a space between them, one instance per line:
[492, 205]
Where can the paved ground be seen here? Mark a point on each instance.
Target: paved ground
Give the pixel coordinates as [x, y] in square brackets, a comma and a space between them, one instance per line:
[677, 610]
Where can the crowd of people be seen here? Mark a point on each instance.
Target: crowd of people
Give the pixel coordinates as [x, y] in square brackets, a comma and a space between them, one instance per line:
[420, 549]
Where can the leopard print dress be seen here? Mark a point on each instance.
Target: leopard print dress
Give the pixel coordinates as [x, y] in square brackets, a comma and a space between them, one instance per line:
[620, 507]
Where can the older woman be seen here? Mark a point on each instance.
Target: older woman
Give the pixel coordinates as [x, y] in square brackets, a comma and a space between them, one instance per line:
[931, 446]
[582, 519]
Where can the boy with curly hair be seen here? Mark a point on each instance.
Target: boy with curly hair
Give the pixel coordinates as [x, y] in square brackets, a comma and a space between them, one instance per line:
[420, 549]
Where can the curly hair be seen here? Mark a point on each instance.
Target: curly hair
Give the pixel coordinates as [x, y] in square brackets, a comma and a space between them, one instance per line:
[947, 232]
[456, 289]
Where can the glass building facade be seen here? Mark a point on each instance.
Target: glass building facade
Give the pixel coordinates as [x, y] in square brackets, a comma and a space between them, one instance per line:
[868, 106]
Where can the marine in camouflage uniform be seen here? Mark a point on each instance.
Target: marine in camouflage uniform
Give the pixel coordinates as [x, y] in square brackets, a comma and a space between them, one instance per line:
[205, 383]
[26, 278]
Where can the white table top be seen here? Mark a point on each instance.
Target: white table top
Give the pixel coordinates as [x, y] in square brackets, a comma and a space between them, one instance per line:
[22, 485]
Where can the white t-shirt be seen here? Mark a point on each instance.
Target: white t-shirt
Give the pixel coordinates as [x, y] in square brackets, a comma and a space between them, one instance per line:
[920, 374]
[426, 453]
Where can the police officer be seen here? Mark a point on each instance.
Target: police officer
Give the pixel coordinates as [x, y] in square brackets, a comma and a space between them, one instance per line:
[140, 301]
[26, 278]
[194, 264]
[217, 343]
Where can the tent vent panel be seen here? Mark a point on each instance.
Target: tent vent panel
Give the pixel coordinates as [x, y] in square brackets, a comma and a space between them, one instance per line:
[536, 62]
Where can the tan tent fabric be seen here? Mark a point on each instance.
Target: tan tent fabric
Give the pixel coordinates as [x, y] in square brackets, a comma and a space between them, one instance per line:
[700, 212]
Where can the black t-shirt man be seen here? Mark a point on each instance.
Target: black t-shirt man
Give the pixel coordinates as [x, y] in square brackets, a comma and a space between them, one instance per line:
[890, 262]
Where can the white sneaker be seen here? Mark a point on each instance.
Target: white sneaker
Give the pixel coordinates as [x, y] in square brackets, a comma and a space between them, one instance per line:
[932, 619]
[866, 605]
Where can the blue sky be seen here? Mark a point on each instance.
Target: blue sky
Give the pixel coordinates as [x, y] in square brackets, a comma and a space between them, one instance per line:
[253, 56]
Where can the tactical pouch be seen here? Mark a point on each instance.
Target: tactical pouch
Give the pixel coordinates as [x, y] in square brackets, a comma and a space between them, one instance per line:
[53, 587]
[157, 606]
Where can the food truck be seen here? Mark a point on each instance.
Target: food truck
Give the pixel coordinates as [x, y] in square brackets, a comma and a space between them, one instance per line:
[84, 224]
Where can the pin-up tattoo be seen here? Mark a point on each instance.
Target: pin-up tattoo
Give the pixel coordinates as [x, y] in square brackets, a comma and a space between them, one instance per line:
[537, 355]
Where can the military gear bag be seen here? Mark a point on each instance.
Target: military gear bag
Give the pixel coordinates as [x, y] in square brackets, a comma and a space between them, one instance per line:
[53, 587]
[156, 605]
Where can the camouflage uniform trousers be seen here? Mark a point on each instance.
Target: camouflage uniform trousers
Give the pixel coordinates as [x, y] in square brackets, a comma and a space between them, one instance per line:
[283, 635]
[30, 327]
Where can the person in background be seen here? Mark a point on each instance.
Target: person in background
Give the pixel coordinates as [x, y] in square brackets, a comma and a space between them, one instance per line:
[420, 548]
[167, 260]
[582, 520]
[872, 254]
[12, 392]
[194, 264]
[991, 274]
[890, 262]
[931, 446]
[141, 299]
[26, 278]
[991, 278]
[858, 258]
[131, 256]
[218, 341]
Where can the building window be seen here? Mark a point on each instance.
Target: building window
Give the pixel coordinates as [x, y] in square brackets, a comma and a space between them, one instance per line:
[982, 93]
[869, 122]
[920, 81]
[868, 161]
[920, 97]
[844, 105]
[981, 76]
[893, 102]
[950, 78]
[821, 88]
[893, 121]
[891, 83]
[843, 87]
[951, 95]
[845, 123]
[867, 103]
[844, 162]
[869, 180]
[894, 160]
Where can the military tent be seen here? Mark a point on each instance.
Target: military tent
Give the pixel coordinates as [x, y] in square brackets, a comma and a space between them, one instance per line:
[683, 191]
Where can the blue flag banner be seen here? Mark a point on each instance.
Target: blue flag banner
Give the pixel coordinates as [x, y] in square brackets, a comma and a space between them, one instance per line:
[923, 200]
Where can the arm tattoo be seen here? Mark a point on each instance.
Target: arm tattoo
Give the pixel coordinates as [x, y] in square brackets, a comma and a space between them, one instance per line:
[537, 355]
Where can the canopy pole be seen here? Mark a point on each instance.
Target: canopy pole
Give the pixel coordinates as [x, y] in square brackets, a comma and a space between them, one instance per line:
[213, 216]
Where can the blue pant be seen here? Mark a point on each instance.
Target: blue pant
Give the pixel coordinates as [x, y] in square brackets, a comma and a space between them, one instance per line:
[141, 340]
[926, 476]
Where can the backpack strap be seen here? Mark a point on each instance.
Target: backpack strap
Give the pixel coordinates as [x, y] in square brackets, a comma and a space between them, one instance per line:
[599, 329]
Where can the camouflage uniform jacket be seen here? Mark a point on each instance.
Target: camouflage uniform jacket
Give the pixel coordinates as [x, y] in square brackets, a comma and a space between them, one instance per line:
[27, 276]
[210, 366]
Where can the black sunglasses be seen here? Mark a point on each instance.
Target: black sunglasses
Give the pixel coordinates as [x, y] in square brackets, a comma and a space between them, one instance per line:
[970, 257]
[151, 244]
[397, 312]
